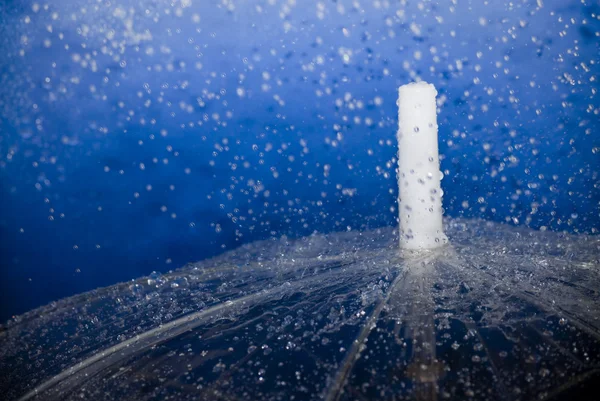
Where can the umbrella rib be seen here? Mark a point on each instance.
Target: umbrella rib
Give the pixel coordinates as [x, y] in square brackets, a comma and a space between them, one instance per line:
[560, 348]
[503, 390]
[583, 325]
[335, 391]
[574, 381]
[473, 326]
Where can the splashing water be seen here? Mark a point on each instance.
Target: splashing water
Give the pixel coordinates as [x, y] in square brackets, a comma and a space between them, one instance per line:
[118, 117]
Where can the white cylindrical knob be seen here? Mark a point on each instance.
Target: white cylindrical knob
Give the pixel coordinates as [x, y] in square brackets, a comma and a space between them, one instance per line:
[420, 195]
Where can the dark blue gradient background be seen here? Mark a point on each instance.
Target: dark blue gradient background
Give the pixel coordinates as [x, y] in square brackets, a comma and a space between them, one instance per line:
[137, 136]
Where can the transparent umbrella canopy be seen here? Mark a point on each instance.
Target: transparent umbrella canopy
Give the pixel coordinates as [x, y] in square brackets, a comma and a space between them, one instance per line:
[502, 313]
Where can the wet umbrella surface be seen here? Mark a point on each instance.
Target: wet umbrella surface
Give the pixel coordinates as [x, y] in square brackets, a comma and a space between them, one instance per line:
[337, 317]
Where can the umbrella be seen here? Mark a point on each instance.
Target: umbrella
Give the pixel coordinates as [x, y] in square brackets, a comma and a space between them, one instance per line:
[499, 312]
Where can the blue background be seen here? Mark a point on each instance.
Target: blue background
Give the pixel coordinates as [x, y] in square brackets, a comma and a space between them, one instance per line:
[137, 136]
